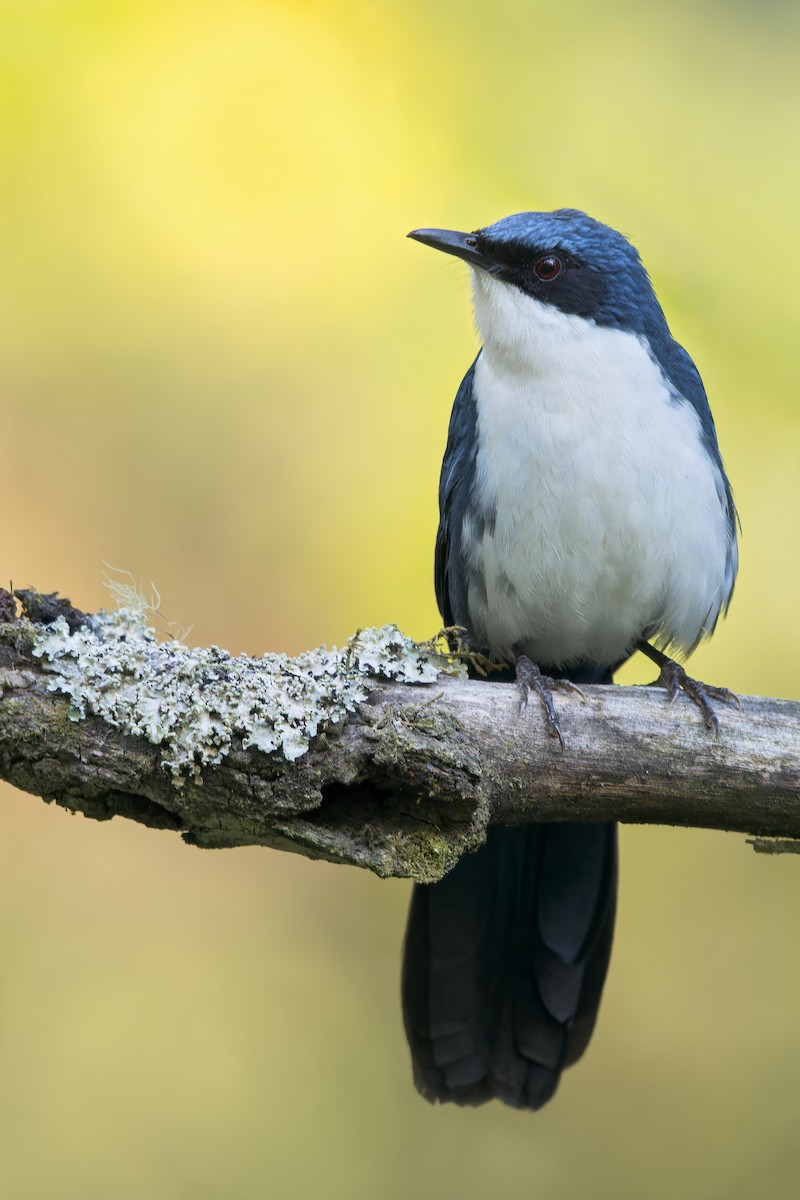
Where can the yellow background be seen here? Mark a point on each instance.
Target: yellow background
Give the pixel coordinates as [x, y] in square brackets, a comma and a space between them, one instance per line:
[225, 370]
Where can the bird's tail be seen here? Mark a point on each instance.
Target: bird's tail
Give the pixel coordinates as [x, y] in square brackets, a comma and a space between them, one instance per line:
[505, 961]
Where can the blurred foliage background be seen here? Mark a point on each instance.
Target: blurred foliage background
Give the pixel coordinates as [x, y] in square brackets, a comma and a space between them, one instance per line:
[225, 370]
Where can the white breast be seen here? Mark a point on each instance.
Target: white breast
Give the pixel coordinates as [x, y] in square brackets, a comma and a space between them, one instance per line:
[609, 522]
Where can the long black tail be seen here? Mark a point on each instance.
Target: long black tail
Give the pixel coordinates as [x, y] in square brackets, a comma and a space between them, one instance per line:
[505, 961]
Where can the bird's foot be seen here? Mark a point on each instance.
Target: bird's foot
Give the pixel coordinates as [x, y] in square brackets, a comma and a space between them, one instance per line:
[460, 647]
[531, 679]
[674, 679]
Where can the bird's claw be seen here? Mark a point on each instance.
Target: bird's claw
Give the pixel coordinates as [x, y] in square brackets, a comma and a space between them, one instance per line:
[530, 678]
[674, 679]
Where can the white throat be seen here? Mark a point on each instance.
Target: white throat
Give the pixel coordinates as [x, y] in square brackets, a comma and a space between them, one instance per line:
[526, 333]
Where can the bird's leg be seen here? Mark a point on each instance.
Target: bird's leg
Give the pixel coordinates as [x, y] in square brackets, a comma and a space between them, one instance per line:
[674, 679]
[531, 679]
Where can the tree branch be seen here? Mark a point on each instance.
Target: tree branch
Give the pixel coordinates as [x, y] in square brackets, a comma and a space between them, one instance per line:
[400, 778]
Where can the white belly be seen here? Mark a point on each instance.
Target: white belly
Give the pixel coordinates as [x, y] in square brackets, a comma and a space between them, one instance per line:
[608, 518]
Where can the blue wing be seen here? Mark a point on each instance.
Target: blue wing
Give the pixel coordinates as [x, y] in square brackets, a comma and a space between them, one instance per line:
[455, 482]
[685, 379]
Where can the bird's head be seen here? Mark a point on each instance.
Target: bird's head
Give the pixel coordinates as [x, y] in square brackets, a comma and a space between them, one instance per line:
[530, 266]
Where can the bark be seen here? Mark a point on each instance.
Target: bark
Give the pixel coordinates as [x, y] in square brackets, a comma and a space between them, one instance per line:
[412, 778]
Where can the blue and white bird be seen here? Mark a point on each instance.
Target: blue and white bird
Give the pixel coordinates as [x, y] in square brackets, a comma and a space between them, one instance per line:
[585, 514]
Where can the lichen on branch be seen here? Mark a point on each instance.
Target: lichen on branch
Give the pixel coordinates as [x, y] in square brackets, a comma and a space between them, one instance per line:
[193, 702]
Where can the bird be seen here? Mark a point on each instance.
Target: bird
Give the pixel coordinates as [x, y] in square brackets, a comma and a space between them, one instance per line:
[584, 515]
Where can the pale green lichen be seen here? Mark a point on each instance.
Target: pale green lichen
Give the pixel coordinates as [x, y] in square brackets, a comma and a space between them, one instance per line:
[195, 702]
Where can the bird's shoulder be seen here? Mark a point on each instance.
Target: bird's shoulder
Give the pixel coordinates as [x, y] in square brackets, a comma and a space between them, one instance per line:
[686, 384]
[685, 381]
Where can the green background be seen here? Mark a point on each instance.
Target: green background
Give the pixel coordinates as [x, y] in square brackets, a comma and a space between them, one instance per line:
[225, 370]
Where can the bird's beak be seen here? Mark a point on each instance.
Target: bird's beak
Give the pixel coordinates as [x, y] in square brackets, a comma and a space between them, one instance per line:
[462, 245]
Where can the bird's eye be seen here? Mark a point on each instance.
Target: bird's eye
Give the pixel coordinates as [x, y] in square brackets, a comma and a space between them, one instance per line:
[547, 268]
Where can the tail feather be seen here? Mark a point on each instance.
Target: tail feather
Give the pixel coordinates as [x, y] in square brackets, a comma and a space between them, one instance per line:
[571, 869]
[505, 961]
[583, 1023]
